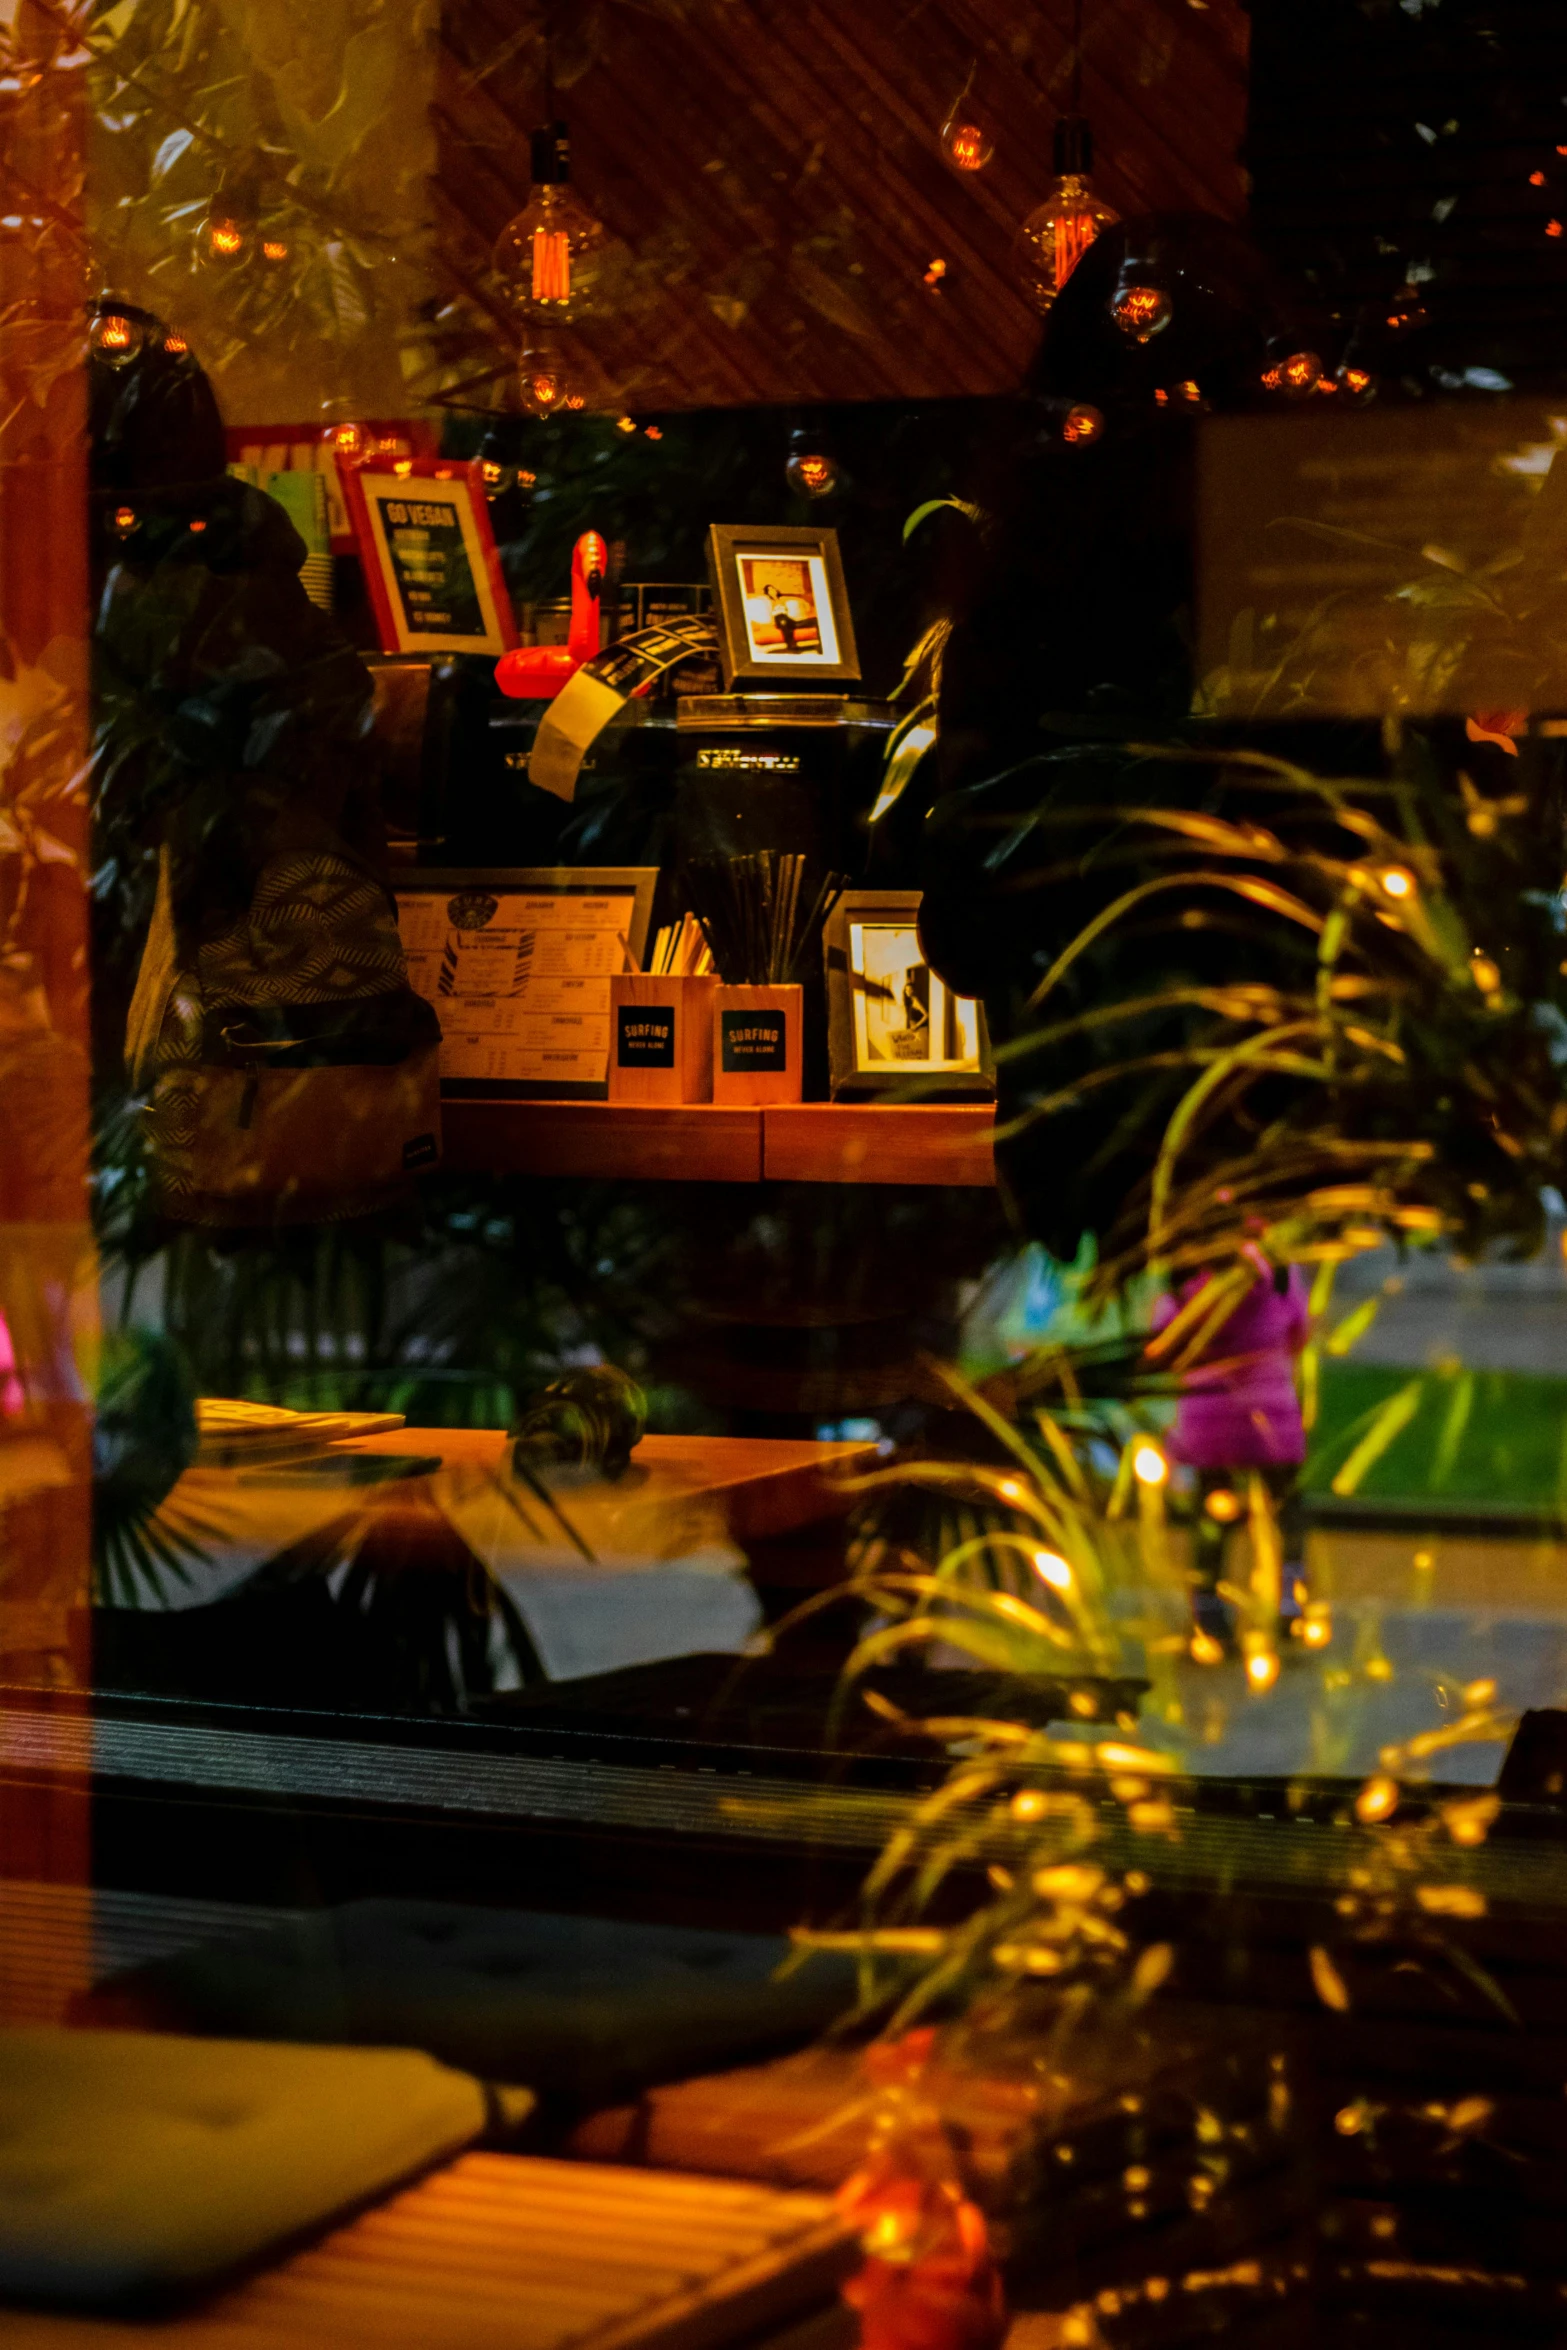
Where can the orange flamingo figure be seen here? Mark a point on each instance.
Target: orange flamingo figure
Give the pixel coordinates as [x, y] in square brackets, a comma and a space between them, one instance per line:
[536, 673]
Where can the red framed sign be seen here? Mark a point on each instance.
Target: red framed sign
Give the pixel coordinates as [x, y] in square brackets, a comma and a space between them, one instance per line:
[422, 527]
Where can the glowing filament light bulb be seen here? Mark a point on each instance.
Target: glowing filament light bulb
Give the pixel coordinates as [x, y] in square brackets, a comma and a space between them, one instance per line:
[965, 145]
[1357, 384]
[546, 384]
[274, 251]
[1141, 311]
[114, 338]
[1149, 1465]
[346, 440]
[1058, 232]
[227, 235]
[1262, 1669]
[1082, 425]
[1298, 373]
[545, 256]
[963, 142]
[810, 469]
[1397, 881]
[175, 344]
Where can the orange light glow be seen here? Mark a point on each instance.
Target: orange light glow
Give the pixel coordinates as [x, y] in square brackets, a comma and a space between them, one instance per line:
[115, 334]
[814, 474]
[225, 239]
[175, 344]
[1553, 228]
[1262, 1669]
[625, 424]
[126, 519]
[1052, 1569]
[1083, 424]
[551, 265]
[655, 432]
[1299, 373]
[1397, 881]
[1536, 179]
[1377, 1799]
[1356, 380]
[1205, 1650]
[966, 147]
[1149, 1465]
[274, 249]
[1223, 1505]
[935, 273]
[346, 440]
[1316, 1631]
[1141, 312]
[198, 524]
[402, 467]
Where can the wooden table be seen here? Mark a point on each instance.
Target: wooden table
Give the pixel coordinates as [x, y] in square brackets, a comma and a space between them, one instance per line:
[702, 1142]
[757, 1485]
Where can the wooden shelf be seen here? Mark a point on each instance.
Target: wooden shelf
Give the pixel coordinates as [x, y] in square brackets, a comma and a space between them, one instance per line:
[803, 1142]
[879, 1142]
[642, 1142]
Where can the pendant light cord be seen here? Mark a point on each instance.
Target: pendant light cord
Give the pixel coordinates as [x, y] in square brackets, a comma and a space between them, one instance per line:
[1077, 56]
[549, 63]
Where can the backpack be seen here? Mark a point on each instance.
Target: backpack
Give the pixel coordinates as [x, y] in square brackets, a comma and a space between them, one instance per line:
[290, 1073]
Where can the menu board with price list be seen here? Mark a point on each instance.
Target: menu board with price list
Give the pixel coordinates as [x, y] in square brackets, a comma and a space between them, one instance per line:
[519, 977]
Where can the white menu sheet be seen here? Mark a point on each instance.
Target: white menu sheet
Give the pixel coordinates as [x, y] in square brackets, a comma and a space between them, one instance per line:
[519, 979]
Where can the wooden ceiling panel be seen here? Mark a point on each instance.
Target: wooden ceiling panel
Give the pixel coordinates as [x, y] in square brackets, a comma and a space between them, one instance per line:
[770, 172]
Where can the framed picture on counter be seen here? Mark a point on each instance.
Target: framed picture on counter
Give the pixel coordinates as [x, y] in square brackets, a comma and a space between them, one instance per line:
[422, 527]
[780, 605]
[517, 963]
[893, 1026]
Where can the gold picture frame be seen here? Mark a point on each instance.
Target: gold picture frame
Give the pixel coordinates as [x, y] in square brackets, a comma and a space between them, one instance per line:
[780, 606]
[894, 1027]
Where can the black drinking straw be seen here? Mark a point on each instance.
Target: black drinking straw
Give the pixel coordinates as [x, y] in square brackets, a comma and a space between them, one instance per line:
[749, 910]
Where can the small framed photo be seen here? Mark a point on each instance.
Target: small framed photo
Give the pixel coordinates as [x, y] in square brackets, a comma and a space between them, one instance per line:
[780, 605]
[422, 527]
[894, 1026]
[518, 964]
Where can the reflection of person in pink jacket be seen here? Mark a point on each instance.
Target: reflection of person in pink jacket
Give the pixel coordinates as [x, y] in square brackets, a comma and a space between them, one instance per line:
[12, 1396]
[1239, 1411]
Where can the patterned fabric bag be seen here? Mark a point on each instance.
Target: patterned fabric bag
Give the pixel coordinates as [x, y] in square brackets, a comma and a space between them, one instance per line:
[292, 1074]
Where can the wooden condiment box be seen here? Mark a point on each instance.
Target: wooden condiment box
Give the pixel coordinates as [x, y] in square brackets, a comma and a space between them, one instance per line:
[756, 1044]
[660, 1038]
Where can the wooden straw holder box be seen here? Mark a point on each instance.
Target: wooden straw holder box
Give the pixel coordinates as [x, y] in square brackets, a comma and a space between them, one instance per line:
[660, 1038]
[756, 1044]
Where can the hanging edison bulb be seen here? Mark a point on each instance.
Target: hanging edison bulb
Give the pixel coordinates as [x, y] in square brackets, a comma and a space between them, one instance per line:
[1057, 233]
[1358, 384]
[547, 256]
[547, 382]
[346, 439]
[275, 252]
[1294, 374]
[811, 470]
[114, 336]
[496, 470]
[1141, 310]
[963, 139]
[1082, 425]
[226, 239]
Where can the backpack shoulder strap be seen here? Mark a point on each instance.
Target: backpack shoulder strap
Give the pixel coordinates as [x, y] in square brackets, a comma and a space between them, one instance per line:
[154, 983]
